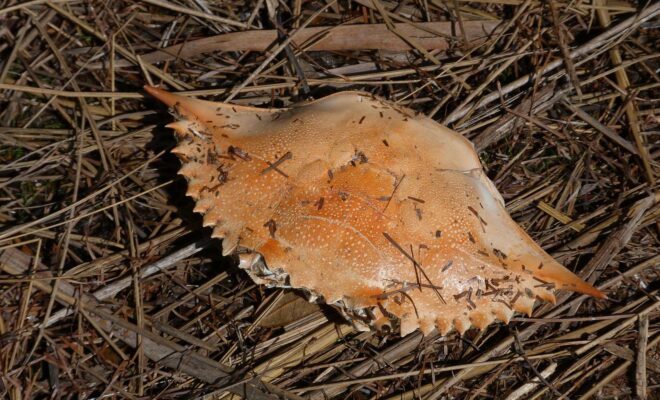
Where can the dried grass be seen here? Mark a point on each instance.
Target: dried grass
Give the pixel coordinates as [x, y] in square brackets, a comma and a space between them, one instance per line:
[110, 287]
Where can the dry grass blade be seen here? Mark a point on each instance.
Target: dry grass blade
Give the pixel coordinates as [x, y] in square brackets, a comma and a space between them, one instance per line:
[111, 287]
[640, 371]
[328, 38]
[189, 11]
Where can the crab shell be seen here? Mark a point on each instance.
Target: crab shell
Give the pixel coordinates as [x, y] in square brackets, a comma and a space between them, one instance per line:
[363, 204]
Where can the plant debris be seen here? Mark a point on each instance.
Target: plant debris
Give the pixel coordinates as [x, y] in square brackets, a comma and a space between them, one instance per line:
[110, 286]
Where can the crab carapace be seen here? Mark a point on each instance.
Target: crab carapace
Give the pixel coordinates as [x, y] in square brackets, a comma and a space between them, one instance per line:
[364, 205]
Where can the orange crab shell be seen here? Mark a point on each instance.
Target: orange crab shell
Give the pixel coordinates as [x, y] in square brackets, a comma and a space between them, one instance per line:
[366, 205]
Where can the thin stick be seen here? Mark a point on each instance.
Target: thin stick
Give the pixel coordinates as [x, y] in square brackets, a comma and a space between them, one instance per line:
[276, 52]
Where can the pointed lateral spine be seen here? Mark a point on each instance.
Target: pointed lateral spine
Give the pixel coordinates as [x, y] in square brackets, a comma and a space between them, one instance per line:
[524, 304]
[502, 312]
[545, 295]
[190, 170]
[462, 324]
[444, 326]
[409, 324]
[195, 187]
[426, 326]
[230, 242]
[481, 319]
[218, 232]
[212, 217]
[203, 205]
[180, 127]
[184, 149]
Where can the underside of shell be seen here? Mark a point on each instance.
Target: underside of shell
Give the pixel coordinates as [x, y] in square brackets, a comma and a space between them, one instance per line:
[365, 205]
